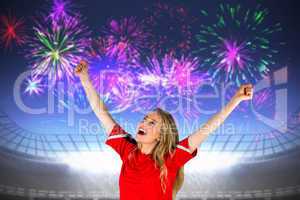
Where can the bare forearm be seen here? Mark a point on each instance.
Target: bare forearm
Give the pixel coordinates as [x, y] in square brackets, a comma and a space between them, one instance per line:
[97, 104]
[212, 124]
[245, 92]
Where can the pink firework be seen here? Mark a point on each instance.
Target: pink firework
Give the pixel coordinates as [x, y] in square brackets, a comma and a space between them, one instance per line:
[12, 31]
[114, 55]
[176, 80]
[60, 10]
[184, 75]
[174, 74]
[232, 58]
[234, 55]
[116, 86]
[122, 41]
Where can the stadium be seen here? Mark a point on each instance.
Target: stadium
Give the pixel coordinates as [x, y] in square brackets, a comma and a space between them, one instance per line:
[52, 147]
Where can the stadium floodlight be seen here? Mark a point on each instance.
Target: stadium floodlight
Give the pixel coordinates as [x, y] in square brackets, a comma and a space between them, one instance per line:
[103, 162]
[108, 162]
[212, 161]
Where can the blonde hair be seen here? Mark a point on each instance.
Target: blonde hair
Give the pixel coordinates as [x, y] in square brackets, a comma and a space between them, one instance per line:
[166, 145]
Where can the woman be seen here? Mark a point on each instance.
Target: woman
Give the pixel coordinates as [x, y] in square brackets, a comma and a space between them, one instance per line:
[152, 163]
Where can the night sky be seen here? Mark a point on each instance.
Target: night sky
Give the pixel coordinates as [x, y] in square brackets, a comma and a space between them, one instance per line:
[97, 13]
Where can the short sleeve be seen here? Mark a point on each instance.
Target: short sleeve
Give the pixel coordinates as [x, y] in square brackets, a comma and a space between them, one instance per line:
[182, 153]
[120, 141]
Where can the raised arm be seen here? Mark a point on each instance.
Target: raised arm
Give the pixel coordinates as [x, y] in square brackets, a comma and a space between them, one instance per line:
[245, 92]
[96, 103]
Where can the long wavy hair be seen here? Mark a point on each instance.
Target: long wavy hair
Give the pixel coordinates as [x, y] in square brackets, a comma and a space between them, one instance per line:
[166, 146]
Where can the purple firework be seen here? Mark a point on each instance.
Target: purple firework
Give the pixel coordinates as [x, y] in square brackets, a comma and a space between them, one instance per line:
[114, 55]
[123, 41]
[60, 10]
[238, 44]
[55, 51]
[170, 81]
[116, 86]
[233, 56]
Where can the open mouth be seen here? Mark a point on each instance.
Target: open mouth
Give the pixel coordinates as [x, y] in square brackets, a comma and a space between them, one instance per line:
[141, 132]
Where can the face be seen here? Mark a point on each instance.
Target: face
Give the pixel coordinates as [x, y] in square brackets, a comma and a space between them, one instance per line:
[148, 130]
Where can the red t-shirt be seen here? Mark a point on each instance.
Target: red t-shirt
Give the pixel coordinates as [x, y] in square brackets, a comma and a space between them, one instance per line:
[139, 178]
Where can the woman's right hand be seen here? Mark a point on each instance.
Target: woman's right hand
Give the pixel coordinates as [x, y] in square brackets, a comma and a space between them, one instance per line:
[81, 70]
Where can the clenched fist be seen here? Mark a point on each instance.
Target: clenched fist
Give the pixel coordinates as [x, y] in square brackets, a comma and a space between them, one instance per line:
[81, 70]
[245, 92]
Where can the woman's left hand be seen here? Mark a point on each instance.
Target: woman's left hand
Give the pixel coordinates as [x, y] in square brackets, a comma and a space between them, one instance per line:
[245, 92]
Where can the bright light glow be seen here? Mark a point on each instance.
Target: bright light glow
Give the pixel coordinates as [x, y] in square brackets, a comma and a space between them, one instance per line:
[108, 162]
[212, 161]
[103, 162]
[33, 86]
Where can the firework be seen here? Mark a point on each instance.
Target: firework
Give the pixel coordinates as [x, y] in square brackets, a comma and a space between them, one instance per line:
[170, 28]
[72, 96]
[60, 10]
[122, 41]
[172, 73]
[54, 51]
[114, 56]
[33, 86]
[12, 31]
[114, 84]
[171, 82]
[238, 46]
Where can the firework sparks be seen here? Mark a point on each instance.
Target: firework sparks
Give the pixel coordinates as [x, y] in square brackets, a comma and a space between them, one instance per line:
[55, 51]
[60, 10]
[174, 73]
[171, 77]
[12, 31]
[238, 46]
[114, 55]
[115, 85]
[165, 20]
[33, 86]
[122, 41]
[71, 96]
[234, 59]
